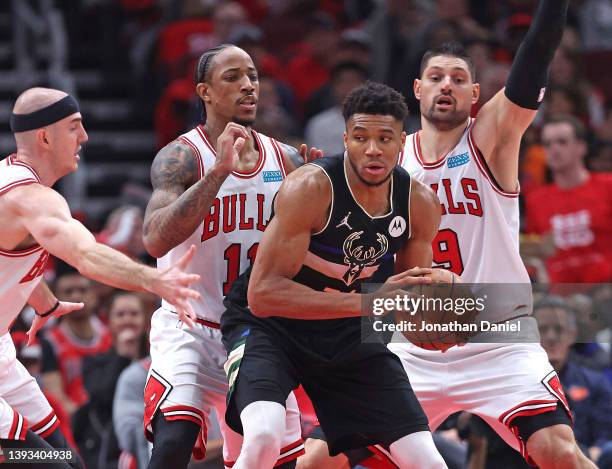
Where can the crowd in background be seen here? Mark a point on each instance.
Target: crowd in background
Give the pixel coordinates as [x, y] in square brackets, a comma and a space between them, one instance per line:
[310, 54]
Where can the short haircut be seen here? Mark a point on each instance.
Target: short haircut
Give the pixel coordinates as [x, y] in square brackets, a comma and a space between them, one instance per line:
[576, 124]
[449, 49]
[376, 99]
[204, 62]
[557, 302]
[350, 66]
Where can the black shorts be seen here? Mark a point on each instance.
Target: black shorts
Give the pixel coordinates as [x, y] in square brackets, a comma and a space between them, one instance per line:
[360, 393]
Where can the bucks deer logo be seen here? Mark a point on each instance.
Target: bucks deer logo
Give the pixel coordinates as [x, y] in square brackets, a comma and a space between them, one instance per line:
[357, 256]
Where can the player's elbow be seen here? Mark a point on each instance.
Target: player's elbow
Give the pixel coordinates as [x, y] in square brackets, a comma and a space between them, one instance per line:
[153, 247]
[259, 299]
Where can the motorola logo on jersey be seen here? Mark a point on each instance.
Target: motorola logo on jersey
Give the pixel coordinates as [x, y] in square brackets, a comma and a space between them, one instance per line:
[358, 256]
[397, 226]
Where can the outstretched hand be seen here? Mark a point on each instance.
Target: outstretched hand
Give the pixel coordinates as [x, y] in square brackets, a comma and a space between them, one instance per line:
[173, 284]
[64, 307]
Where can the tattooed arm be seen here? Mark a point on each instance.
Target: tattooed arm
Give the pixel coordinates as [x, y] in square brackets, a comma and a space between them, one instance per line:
[180, 201]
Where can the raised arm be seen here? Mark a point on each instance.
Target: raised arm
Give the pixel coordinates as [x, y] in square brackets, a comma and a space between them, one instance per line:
[501, 122]
[424, 223]
[45, 215]
[180, 201]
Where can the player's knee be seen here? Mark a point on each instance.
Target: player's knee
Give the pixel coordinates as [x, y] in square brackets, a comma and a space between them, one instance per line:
[554, 447]
[264, 440]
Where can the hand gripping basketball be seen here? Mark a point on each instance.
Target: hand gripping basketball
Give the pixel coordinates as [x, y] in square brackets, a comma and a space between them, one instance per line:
[438, 324]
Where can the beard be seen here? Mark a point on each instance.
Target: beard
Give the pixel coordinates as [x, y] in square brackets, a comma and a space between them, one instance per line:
[445, 120]
[243, 122]
[364, 181]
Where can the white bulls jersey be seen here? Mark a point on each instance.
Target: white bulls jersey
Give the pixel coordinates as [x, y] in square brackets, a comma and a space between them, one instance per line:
[228, 237]
[20, 271]
[480, 221]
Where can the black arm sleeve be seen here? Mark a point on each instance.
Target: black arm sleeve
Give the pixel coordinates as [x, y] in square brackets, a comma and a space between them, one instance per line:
[529, 72]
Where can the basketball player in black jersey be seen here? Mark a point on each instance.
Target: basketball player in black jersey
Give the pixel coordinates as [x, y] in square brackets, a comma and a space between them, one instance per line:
[338, 222]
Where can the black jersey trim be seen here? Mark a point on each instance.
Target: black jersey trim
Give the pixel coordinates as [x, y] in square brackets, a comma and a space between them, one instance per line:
[331, 207]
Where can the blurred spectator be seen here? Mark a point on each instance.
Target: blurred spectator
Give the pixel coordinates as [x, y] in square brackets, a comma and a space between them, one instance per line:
[492, 79]
[174, 112]
[395, 28]
[128, 415]
[123, 231]
[325, 130]
[30, 357]
[78, 334]
[601, 159]
[486, 449]
[576, 208]
[596, 25]
[228, 17]
[588, 392]
[272, 118]
[590, 351]
[250, 38]
[309, 68]
[181, 41]
[560, 100]
[565, 71]
[353, 46]
[93, 422]
[458, 12]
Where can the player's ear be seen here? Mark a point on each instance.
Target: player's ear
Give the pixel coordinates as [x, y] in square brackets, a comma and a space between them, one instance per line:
[403, 140]
[203, 91]
[417, 88]
[42, 137]
[345, 138]
[475, 93]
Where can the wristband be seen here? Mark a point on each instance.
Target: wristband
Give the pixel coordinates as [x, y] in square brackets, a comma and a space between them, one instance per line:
[51, 311]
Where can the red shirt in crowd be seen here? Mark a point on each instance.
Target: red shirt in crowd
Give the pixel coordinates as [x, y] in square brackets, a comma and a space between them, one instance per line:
[68, 353]
[580, 221]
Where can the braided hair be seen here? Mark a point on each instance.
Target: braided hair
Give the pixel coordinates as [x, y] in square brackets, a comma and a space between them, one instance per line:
[205, 61]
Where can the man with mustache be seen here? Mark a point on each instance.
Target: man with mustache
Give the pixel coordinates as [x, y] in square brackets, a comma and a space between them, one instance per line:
[213, 187]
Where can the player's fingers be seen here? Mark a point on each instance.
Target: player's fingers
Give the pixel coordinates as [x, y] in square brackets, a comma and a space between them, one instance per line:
[238, 144]
[73, 307]
[408, 281]
[183, 308]
[303, 151]
[416, 271]
[186, 259]
[189, 293]
[237, 130]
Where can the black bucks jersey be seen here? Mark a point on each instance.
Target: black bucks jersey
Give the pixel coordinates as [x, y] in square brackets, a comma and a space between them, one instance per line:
[352, 248]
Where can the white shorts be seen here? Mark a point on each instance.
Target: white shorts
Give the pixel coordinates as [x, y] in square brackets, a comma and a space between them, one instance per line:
[22, 404]
[497, 382]
[186, 381]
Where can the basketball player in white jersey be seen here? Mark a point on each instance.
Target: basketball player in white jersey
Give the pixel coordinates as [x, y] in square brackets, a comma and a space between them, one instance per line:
[216, 194]
[473, 166]
[35, 221]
